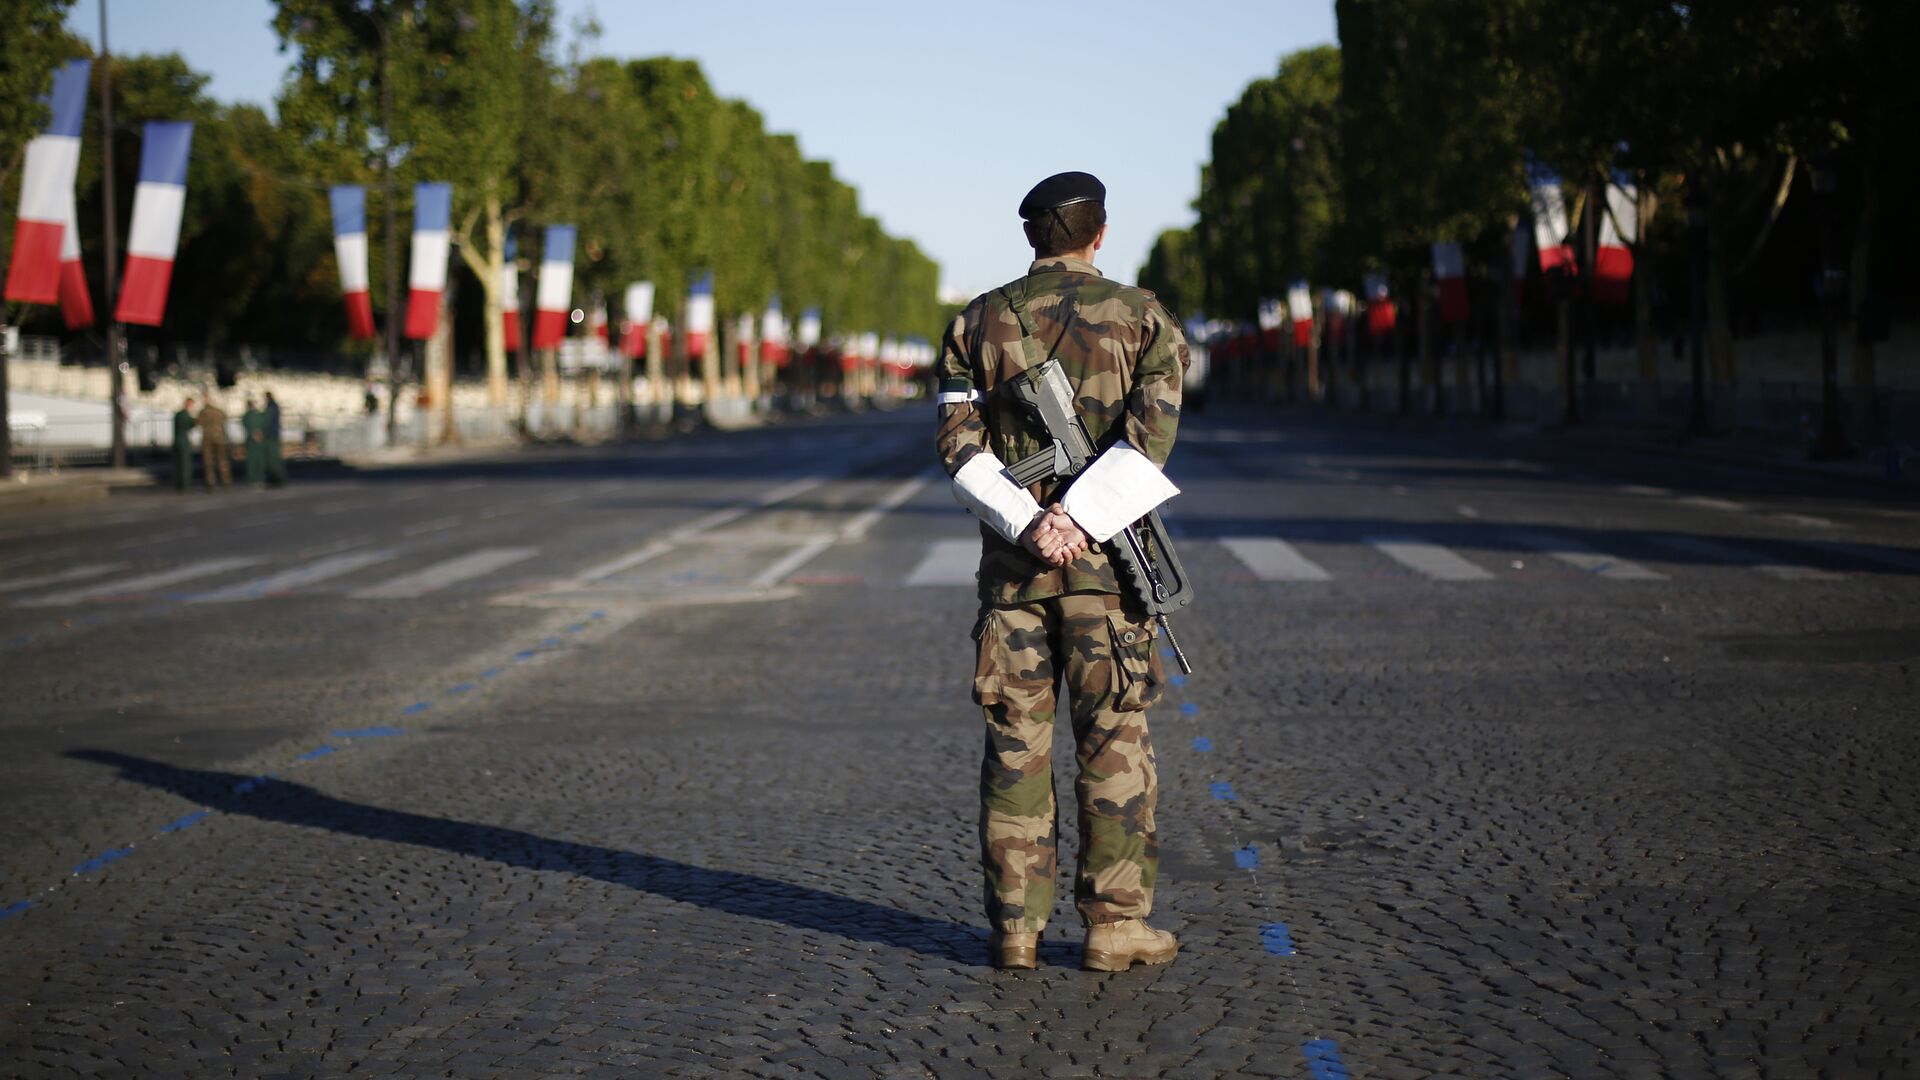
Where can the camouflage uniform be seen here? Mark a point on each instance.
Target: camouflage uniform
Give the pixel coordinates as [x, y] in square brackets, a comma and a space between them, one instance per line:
[1041, 625]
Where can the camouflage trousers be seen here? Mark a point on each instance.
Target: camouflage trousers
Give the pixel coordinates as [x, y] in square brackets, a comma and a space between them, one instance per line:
[1111, 671]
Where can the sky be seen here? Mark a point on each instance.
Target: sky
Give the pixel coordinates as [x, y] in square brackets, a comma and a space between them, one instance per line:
[942, 115]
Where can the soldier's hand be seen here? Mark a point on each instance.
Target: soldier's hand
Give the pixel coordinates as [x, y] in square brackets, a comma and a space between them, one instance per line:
[1073, 540]
[1042, 541]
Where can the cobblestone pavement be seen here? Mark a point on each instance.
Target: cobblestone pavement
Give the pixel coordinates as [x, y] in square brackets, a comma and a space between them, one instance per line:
[1498, 762]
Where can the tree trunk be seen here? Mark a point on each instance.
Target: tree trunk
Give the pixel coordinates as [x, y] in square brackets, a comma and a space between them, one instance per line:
[1861, 282]
[488, 264]
[1646, 340]
[1429, 360]
[1720, 360]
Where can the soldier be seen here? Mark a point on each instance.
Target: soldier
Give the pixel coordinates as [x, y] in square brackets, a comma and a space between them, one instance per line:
[215, 458]
[183, 446]
[1051, 604]
[254, 423]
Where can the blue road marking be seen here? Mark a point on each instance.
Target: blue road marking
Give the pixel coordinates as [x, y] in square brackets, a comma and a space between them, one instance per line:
[576, 628]
[597, 615]
[103, 860]
[463, 688]
[1221, 790]
[316, 752]
[550, 643]
[1203, 744]
[493, 673]
[1177, 680]
[527, 654]
[188, 821]
[416, 707]
[1274, 936]
[1247, 858]
[1166, 653]
[15, 908]
[1188, 708]
[1323, 1060]
[252, 784]
[378, 731]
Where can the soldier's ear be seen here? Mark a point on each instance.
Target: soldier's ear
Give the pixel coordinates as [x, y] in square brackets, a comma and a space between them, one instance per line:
[1099, 238]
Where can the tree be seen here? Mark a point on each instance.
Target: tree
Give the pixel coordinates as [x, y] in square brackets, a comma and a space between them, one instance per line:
[1175, 272]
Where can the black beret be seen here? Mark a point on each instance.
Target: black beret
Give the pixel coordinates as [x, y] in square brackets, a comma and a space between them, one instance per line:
[1062, 189]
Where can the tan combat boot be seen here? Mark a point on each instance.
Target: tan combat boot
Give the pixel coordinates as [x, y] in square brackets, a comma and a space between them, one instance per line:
[1015, 952]
[1117, 946]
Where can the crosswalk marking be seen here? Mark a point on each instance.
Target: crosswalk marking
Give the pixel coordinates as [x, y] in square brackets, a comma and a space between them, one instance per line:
[286, 581]
[1430, 560]
[1581, 557]
[1730, 555]
[60, 577]
[1272, 559]
[948, 562]
[442, 574]
[144, 583]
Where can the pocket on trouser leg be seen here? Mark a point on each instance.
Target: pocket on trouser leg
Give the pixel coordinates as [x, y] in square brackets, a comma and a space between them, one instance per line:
[1139, 679]
[1013, 666]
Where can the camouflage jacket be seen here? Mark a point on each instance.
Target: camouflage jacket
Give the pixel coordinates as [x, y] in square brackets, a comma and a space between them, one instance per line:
[1125, 355]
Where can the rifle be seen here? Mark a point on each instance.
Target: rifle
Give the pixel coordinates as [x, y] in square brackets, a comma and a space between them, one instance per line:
[1153, 573]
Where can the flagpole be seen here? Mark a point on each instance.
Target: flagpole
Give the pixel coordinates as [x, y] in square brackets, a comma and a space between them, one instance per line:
[115, 346]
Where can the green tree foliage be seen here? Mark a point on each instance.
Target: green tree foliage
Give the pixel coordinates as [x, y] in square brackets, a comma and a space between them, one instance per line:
[1174, 271]
[36, 41]
[1271, 197]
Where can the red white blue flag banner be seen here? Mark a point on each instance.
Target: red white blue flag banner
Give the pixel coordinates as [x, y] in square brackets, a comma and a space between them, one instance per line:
[1450, 271]
[1551, 223]
[1300, 309]
[808, 335]
[743, 338]
[773, 334]
[1380, 313]
[46, 191]
[427, 266]
[700, 314]
[76, 301]
[349, 205]
[510, 292]
[553, 289]
[1619, 228]
[639, 311]
[153, 238]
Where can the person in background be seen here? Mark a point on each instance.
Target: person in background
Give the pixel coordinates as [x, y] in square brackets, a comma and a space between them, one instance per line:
[254, 423]
[183, 446]
[276, 455]
[215, 457]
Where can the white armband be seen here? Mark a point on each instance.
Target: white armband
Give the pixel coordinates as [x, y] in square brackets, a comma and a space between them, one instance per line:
[1118, 489]
[984, 486]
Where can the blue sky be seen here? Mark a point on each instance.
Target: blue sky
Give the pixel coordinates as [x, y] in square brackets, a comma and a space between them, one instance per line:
[978, 101]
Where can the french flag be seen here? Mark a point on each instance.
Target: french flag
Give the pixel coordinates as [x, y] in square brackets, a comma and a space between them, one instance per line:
[510, 292]
[700, 314]
[1450, 270]
[553, 291]
[76, 302]
[154, 236]
[1613, 263]
[427, 268]
[46, 192]
[1300, 307]
[349, 203]
[773, 335]
[639, 316]
[809, 329]
[1550, 223]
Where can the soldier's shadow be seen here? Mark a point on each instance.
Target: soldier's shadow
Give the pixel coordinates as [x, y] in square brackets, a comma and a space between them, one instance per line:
[747, 895]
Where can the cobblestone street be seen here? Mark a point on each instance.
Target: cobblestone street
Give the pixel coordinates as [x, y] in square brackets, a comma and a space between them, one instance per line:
[1499, 760]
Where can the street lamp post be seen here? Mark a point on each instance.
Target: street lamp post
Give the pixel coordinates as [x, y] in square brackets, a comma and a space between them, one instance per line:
[1832, 441]
[1697, 302]
[116, 340]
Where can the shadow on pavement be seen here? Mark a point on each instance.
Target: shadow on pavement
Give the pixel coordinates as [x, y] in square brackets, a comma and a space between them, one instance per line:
[735, 893]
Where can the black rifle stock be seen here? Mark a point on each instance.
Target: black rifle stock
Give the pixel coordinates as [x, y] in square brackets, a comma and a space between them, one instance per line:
[1149, 566]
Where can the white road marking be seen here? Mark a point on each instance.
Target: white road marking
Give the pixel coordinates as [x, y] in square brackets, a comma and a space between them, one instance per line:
[1642, 489]
[58, 577]
[1581, 557]
[1729, 555]
[652, 550]
[1430, 560]
[492, 512]
[793, 560]
[1705, 503]
[1272, 559]
[864, 521]
[1807, 520]
[158, 538]
[286, 581]
[434, 526]
[144, 583]
[1466, 511]
[948, 562]
[442, 574]
[465, 485]
[564, 497]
